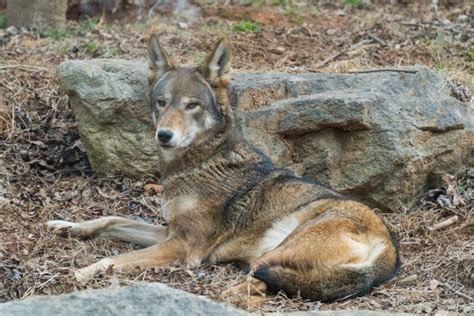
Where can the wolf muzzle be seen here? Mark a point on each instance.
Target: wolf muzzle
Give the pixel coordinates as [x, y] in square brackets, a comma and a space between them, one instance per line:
[165, 136]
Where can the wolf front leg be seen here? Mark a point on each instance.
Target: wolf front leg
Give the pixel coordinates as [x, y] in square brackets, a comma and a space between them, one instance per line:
[158, 255]
[113, 227]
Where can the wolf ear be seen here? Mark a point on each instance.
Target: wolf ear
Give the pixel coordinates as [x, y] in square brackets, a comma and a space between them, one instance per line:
[158, 60]
[217, 64]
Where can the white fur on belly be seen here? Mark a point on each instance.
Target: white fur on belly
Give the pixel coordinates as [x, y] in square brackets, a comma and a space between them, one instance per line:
[277, 233]
[368, 252]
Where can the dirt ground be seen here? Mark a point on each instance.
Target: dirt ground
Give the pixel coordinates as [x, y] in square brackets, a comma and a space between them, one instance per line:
[44, 172]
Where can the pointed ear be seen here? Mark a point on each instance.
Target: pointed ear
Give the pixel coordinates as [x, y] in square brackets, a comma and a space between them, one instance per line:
[158, 60]
[217, 64]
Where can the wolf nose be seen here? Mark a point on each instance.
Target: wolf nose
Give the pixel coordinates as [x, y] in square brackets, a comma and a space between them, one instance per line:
[164, 136]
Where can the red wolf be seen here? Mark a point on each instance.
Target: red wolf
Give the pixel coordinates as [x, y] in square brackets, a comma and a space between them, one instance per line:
[224, 201]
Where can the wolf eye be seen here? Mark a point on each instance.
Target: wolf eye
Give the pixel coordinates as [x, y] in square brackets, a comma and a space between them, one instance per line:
[161, 103]
[192, 105]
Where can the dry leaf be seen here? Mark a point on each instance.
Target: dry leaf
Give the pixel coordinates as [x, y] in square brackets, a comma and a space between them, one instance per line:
[158, 189]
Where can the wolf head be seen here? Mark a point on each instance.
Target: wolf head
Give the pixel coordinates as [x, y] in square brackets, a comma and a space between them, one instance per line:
[188, 102]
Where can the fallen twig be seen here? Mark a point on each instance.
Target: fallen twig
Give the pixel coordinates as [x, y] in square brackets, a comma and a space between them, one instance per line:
[443, 27]
[446, 286]
[25, 67]
[309, 31]
[330, 58]
[383, 70]
[377, 39]
[444, 224]
[469, 224]
[105, 195]
[314, 70]
[359, 44]
[47, 281]
[337, 54]
[409, 279]
[411, 24]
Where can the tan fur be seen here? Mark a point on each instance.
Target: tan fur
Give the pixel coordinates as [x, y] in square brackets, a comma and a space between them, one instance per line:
[173, 120]
[224, 201]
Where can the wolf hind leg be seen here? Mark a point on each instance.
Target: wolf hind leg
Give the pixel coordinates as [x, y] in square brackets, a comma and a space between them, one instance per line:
[330, 257]
[113, 227]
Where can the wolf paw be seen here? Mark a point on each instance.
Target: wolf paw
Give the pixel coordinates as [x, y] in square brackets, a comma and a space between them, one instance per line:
[251, 292]
[251, 286]
[87, 273]
[62, 227]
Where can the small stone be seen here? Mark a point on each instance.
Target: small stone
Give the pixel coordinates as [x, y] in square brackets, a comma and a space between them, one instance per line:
[434, 284]
[277, 50]
[183, 25]
[462, 18]
[13, 30]
[279, 30]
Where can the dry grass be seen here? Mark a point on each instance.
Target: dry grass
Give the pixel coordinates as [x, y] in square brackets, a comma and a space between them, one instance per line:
[38, 262]
[6, 118]
[44, 173]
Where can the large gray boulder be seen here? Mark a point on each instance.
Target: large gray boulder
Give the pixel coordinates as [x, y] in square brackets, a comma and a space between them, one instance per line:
[346, 312]
[145, 299]
[384, 137]
[107, 97]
